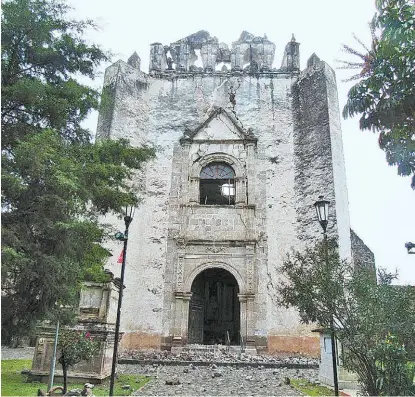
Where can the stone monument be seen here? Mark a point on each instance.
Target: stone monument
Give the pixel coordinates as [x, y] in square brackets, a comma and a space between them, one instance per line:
[97, 315]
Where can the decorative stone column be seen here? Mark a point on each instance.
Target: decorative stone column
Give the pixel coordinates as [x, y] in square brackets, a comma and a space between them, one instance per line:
[158, 60]
[250, 326]
[185, 169]
[181, 55]
[236, 58]
[240, 191]
[247, 323]
[209, 53]
[242, 301]
[194, 186]
[250, 168]
[181, 318]
[291, 59]
[266, 55]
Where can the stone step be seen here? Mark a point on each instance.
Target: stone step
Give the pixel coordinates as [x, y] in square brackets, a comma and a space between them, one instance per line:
[252, 364]
[214, 349]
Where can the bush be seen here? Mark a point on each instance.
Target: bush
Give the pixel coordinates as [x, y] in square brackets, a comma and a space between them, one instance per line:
[75, 346]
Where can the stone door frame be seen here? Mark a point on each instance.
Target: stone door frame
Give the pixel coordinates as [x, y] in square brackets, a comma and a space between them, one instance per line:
[182, 303]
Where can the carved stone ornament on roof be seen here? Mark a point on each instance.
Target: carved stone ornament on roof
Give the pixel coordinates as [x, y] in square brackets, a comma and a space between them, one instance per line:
[242, 134]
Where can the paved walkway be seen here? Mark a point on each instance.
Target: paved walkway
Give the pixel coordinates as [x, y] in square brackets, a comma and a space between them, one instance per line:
[216, 380]
[18, 353]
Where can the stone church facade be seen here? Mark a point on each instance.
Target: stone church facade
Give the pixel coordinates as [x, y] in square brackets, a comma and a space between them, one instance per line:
[244, 150]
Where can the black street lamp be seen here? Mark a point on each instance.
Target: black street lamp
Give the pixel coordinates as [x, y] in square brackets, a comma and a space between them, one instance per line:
[410, 247]
[322, 209]
[128, 217]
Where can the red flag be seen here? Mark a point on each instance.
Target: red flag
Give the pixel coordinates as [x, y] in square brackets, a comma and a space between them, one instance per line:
[121, 257]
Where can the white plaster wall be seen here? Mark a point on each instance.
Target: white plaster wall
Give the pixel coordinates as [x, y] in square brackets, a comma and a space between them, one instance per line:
[157, 111]
[339, 168]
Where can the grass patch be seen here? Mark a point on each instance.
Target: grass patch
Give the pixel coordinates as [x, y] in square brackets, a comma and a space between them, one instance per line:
[310, 389]
[13, 383]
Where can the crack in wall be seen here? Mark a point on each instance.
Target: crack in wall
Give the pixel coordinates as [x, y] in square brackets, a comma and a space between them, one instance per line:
[243, 222]
[271, 288]
[227, 126]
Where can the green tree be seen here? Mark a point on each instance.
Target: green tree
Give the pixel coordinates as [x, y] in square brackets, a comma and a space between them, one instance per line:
[374, 322]
[74, 347]
[385, 93]
[55, 181]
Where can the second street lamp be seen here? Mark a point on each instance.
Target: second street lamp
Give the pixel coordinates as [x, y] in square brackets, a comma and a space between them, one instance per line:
[128, 217]
[410, 247]
[322, 210]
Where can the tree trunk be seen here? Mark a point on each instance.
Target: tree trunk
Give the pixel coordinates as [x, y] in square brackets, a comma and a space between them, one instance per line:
[65, 376]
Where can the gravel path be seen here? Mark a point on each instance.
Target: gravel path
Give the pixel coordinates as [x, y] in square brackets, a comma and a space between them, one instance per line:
[216, 380]
[18, 353]
[211, 380]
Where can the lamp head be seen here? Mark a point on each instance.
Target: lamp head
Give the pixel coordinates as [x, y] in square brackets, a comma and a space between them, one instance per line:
[322, 210]
[410, 247]
[120, 236]
[128, 215]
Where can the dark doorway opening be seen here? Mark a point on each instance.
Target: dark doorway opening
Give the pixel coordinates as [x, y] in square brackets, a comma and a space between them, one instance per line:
[214, 310]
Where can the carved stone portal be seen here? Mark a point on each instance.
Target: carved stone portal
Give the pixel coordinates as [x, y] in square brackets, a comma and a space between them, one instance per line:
[214, 310]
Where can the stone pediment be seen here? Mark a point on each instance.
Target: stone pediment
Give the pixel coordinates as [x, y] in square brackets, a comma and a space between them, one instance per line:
[220, 126]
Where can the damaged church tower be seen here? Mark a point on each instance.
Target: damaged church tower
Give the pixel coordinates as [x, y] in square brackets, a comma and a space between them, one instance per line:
[244, 151]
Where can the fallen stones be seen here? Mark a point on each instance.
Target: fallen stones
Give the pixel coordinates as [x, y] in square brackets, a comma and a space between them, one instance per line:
[215, 355]
[217, 374]
[173, 381]
[228, 381]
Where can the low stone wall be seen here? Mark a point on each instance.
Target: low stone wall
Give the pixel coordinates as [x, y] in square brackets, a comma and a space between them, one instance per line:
[218, 354]
[308, 346]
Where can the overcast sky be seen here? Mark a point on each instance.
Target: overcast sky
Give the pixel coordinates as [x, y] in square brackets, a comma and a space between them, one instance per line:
[382, 210]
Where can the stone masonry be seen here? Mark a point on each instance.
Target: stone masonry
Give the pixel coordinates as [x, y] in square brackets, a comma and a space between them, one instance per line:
[279, 130]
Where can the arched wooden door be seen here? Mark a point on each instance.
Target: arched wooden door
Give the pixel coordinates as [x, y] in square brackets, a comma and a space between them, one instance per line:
[214, 309]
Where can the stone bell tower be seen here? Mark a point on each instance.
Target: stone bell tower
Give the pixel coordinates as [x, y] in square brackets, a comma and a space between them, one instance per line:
[244, 150]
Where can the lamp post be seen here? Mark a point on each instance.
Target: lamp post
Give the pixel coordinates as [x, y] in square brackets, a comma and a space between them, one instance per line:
[322, 209]
[128, 217]
[410, 247]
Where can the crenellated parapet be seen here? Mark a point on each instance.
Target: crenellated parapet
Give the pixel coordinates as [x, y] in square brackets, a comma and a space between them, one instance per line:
[201, 53]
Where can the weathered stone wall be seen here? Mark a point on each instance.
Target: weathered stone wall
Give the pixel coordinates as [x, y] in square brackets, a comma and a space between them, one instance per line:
[361, 253]
[319, 160]
[280, 131]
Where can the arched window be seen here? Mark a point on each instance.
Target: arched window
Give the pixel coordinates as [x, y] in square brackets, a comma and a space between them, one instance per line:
[217, 184]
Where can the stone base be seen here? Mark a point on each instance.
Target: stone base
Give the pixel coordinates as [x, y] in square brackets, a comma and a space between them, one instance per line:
[141, 340]
[308, 346]
[43, 377]
[94, 370]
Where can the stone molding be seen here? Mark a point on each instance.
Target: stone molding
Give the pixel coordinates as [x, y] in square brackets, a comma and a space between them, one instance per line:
[211, 265]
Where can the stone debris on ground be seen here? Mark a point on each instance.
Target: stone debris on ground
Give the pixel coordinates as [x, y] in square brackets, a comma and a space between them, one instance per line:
[217, 355]
[17, 353]
[212, 378]
[167, 380]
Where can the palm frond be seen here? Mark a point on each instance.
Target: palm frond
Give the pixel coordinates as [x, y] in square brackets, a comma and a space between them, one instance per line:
[349, 62]
[350, 50]
[361, 43]
[351, 78]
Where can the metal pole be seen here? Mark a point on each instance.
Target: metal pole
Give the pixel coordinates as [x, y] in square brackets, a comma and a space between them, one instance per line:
[332, 334]
[53, 361]
[334, 359]
[127, 220]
